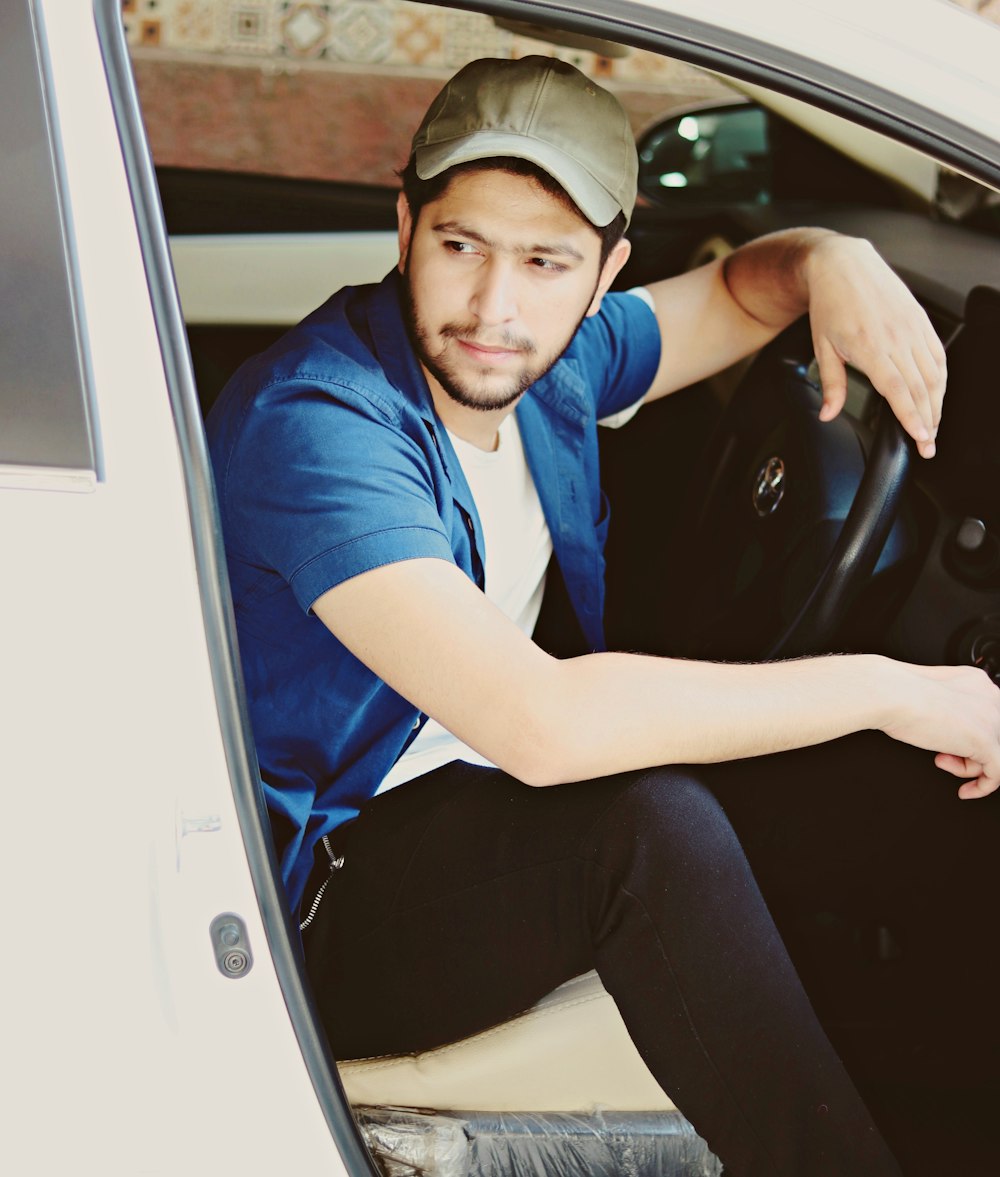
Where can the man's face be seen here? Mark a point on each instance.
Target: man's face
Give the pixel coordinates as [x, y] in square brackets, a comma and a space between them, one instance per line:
[499, 274]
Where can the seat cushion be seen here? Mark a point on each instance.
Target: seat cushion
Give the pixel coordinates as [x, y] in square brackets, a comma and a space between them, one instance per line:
[570, 1052]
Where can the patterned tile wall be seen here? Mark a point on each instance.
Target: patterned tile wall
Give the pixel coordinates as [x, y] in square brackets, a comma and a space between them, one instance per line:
[392, 34]
[334, 88]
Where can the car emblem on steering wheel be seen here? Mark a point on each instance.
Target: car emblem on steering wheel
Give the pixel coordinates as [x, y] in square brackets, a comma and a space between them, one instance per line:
[769, 486]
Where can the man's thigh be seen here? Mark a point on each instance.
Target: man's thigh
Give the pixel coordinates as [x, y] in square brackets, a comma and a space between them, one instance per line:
[864, 820]
[458, 905]
[881, 882]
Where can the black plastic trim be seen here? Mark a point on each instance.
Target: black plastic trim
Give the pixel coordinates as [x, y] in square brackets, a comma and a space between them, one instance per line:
[282, 936]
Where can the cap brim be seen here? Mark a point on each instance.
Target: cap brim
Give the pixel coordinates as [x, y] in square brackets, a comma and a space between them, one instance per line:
[591, 197]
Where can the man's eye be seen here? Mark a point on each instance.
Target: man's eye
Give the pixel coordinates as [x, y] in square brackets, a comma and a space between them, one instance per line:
[460, 246]
[548, 265]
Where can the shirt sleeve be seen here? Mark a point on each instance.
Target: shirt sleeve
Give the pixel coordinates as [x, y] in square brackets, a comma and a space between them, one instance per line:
[623, 416]
[619, 352]
[321, 486]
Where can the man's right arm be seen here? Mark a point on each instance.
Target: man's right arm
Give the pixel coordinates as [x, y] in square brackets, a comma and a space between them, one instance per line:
[426, 630]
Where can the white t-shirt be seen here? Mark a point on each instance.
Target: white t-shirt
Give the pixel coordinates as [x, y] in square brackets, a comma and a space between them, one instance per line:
[518, 549]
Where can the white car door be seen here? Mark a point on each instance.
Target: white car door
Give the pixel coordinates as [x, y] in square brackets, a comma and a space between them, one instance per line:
[143, 1024]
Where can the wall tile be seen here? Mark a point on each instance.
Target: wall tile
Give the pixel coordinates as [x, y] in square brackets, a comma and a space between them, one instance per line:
[305, 29]
[330, 88]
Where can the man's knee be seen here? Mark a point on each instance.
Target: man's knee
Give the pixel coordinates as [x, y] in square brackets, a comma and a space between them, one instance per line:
[670, 816]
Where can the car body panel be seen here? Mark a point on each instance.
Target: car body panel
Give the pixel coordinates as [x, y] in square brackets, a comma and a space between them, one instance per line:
[130, 1048]
[876, 63]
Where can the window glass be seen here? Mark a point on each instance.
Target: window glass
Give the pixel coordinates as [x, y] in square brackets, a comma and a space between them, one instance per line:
[44, 414]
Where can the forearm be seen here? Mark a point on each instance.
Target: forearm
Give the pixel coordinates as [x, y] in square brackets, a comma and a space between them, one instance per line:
[860, 313]
[426, 630]
[718, 314]
[769, 277]
[609, 713]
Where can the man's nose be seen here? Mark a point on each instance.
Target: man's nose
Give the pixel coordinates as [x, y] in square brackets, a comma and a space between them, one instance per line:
[494, 299]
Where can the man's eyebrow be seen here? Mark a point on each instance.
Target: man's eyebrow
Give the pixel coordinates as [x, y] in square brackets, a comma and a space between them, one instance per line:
[551, 249]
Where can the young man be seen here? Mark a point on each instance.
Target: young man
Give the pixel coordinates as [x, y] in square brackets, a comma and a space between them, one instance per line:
[396, 476]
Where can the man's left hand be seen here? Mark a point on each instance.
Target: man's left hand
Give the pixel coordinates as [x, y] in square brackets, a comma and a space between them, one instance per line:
[863, 315]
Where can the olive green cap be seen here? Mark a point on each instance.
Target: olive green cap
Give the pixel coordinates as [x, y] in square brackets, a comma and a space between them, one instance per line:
[542, 110]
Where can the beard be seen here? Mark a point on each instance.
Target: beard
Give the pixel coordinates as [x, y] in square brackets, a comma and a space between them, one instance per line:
[491, 391]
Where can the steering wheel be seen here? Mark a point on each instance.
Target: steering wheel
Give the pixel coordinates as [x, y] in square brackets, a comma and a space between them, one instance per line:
[787, 518]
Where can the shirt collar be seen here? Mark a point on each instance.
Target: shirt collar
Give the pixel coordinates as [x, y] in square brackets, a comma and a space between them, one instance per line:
[393, 347]
[395, 353]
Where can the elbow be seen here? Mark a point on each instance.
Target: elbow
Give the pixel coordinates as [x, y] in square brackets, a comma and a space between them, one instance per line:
[536, 770]
[540, 773]
[537, 732]
[537, 752]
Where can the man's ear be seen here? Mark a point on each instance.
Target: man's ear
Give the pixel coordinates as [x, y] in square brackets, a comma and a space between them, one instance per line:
[405, 222]
[617, 258]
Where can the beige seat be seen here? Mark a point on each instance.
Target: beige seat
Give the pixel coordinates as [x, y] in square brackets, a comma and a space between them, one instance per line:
[569, 1053]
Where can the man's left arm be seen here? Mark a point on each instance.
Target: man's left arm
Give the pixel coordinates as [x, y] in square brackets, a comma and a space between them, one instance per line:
[861, 314]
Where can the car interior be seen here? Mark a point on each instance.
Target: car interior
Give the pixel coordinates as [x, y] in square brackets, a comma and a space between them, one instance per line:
[873, 550]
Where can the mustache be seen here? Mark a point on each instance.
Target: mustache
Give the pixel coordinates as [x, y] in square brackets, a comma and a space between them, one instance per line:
[468, 332]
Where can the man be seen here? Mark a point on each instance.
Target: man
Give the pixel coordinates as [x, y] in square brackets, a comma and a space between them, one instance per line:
[396, 477]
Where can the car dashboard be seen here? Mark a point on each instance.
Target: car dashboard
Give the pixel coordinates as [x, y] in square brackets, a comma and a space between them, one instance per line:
[952, 612]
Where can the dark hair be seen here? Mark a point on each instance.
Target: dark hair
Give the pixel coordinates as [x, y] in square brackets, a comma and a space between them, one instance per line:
[419, 192]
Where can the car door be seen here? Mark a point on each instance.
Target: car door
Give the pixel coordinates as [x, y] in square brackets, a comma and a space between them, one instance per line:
[144, 1026]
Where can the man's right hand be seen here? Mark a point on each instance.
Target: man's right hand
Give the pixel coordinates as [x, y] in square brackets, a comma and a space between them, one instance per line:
[955, 712]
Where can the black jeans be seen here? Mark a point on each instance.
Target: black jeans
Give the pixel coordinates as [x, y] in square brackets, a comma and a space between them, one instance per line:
[466, 895]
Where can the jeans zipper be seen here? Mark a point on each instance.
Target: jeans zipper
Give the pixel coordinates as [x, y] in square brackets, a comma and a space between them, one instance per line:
[336, 862]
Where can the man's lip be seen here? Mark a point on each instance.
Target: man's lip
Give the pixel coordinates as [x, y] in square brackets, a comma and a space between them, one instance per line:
[492, 353]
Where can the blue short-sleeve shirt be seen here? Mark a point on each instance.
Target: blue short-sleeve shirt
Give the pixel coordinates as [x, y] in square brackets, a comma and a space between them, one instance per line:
[330, 461]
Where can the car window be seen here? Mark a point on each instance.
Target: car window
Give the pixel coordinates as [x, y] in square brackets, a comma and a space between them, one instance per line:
[47, 436]
[273, 119]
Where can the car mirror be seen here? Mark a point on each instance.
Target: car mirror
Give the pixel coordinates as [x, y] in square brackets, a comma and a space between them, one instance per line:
[717, 153]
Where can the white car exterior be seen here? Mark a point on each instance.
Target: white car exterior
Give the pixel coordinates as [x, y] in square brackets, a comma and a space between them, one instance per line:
[126, 1050]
